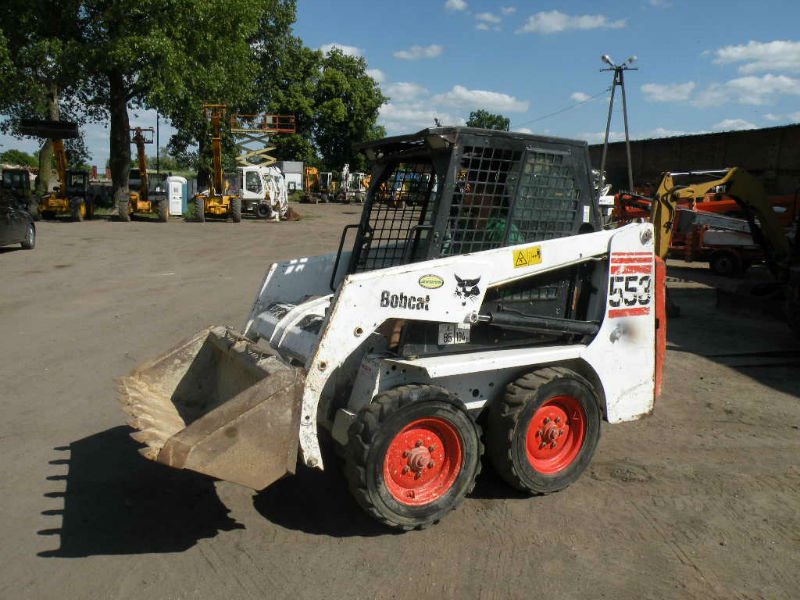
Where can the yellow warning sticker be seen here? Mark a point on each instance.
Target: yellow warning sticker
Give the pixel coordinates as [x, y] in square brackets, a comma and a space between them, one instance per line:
[525, 257]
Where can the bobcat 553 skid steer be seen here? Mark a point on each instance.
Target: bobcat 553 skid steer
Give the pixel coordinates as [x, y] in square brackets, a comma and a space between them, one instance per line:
[483, 301]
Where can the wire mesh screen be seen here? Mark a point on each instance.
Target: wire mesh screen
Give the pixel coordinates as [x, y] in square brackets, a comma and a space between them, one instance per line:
[548, 199]
[481, 200]
[400, 217]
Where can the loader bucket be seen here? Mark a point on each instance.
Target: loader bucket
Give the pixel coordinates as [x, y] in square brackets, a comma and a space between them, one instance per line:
[218, 405]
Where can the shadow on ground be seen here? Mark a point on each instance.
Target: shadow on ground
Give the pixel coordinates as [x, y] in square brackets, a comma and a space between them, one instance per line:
[117, 502]
[744, 334]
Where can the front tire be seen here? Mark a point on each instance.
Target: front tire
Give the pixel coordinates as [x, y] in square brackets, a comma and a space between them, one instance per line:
[725, 263]
[413, 455]
[29, 242]
[236, 210]
[544, 431]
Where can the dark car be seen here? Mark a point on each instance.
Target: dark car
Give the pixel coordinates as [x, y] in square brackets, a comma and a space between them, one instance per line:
[16, 224]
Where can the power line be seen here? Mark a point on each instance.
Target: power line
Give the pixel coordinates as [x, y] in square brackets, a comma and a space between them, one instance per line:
[565, 109]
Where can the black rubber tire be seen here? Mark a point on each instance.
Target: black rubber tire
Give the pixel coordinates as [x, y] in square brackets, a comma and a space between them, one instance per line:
[725, 263]
[264, 211]
[324, 198]
[200, 209]
[75, 210]
[236, 210]
[510, 416]
[29, 243]
[163, 211]
[123, 210]
[369, 439]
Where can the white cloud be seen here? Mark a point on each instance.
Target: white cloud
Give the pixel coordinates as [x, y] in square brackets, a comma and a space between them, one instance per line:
[579, 97]
[779, 55]
[668, 92]
[523, 130]
[403, 91]
[660, 132]
[773, 117]
[455, 5]
[795, 116]
[346, 50]
[482, 27]
[749, 90]
[555, 21]
[659, 3]
[733, 125]
[464, 98]
[597, 137]
[377, 75]
[404, 118]
[508, 10]
[487, 17]
[417, 52]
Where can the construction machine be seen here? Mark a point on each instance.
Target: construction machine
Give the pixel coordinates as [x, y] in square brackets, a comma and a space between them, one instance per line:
[71, 197]
[354, 186]
[328, 186]
[216, 201]
[151, 197]
[489, 299]
[311, 185]
[262, 185]
[263, 192]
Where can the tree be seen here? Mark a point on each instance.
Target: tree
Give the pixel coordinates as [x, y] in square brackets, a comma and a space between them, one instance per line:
[166, 55]
[486, 120]
[40, 69]
[20, 158]
[347, 103]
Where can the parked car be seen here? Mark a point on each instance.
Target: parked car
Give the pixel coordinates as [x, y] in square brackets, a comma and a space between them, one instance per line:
[16, 224]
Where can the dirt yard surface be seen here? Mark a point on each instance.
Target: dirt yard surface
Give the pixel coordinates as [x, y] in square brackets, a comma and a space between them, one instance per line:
[699, 500]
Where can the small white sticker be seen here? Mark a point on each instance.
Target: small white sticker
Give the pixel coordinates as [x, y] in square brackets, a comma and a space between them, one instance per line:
[586, 214]
[453, 333]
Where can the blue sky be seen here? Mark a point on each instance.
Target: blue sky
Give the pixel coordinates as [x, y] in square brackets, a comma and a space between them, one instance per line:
[703, 65]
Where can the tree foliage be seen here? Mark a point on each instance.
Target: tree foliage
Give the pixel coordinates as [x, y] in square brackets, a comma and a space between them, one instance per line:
[486, 120]
[20, 158]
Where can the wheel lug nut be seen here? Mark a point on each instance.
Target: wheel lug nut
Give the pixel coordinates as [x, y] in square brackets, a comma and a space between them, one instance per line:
[542, 445]
[418, 444]
[546, 420]
[430, 465]
[558, 419]
[553, 445]
[405, 470]
[431, 448]
[418, 474]
[405, 454]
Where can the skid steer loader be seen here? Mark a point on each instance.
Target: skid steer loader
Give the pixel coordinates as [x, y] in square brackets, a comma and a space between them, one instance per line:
[485, 301]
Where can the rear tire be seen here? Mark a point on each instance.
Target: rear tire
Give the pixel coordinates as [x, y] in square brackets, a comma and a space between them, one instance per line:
[394, 475]
[200, 209]
[543, 432]
[236, 210]
[29, 243]
[725, 263]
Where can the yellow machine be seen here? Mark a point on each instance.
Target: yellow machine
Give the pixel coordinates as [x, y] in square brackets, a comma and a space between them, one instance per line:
[70, 198]
[216, 201]
[749, 195]
[145, 200]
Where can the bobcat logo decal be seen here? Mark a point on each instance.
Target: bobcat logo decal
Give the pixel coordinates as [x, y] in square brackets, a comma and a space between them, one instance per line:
[467, 289]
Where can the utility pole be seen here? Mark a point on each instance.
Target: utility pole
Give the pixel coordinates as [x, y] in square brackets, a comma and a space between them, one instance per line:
[619, 80]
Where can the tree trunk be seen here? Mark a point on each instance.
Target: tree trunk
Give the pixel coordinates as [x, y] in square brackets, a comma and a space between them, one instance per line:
[119, 145]
[46, 153]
